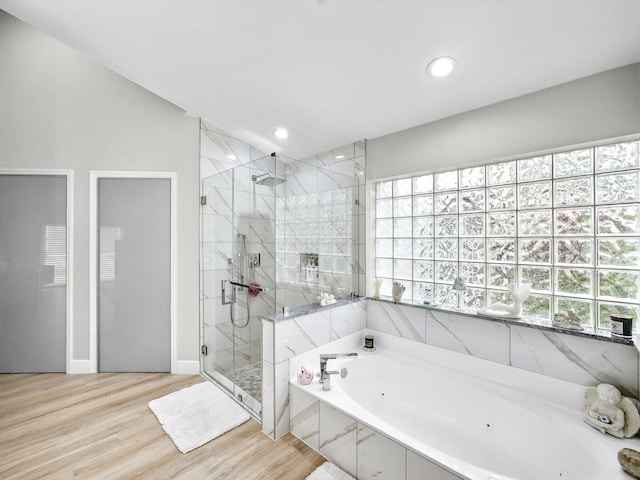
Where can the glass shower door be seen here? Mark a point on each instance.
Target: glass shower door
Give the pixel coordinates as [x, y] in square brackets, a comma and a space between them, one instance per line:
[238, 275]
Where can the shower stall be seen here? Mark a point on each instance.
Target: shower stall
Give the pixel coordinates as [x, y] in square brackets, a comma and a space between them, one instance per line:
[275, 232]
[238, 274]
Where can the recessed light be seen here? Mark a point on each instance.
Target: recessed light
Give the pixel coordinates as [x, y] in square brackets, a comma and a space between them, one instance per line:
[281, 133]
[441, 67]
[339, 157]
[231, 156]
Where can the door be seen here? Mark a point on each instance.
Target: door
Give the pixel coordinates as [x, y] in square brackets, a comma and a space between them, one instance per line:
[134, 274]
[33, 273]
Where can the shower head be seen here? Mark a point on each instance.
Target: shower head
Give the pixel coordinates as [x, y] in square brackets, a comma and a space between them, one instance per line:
[266, 179]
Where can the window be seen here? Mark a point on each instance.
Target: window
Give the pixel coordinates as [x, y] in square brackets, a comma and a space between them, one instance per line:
[567, 223]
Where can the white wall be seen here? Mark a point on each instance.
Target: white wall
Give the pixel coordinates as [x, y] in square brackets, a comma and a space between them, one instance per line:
[601, 106]
[59, 110]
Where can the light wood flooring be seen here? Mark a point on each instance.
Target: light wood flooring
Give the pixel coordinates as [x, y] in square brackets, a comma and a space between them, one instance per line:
[58, 426]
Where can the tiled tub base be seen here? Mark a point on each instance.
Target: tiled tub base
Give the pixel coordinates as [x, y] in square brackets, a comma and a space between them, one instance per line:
[358, 449]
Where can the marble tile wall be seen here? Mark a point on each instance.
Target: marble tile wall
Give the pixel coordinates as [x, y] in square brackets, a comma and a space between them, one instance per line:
[586, 361]
[288, 338]
[358, 449]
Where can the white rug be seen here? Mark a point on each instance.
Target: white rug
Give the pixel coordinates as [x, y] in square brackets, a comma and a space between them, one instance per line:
[328, 471]
[197, 414]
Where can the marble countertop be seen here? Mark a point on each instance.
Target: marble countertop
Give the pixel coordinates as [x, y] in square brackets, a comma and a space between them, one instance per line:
[587, 332]
[308, 309]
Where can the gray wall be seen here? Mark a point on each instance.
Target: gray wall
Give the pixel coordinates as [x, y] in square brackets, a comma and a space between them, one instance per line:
[60, 110]
[601, 106]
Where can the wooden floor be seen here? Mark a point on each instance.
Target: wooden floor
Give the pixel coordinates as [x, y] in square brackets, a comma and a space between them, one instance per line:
[58, 426]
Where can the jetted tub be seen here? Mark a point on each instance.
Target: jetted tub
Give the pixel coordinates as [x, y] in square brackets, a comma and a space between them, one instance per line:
[475, 418]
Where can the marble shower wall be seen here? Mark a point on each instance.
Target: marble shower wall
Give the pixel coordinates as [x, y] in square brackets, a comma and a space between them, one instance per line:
[287, 337]
[320, 245]
[581, 360]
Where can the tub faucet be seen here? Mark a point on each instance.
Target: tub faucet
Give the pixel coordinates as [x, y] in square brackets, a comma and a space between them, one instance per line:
[325, 375]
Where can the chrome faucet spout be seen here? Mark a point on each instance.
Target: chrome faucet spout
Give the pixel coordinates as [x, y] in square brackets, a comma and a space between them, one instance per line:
[325, 376]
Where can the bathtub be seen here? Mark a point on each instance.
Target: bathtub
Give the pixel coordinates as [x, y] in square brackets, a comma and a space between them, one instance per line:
[474, 418]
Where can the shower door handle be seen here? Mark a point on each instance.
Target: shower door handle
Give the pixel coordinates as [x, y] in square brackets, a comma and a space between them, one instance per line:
[224, 294]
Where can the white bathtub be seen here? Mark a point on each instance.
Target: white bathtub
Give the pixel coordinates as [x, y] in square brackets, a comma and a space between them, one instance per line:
[475, 418]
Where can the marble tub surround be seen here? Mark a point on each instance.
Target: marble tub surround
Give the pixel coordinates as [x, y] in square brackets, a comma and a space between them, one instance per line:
[303, 310]
[362, 437]
[587, 332]
[306, 328]
[578, 358]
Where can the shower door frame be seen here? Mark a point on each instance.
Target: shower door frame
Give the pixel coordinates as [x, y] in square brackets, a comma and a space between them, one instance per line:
[94, 176]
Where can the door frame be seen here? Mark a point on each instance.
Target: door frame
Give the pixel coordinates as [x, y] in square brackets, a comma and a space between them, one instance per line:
[94, 176]
[69, 214]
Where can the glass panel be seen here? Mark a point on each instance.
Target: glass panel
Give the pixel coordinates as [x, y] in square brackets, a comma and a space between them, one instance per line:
[423, 205]
[501, 173]
[502, 198]
[605, 310]
[384, 189]
[535, 251]
[574, 281]
[618, 284]
[402, 248]
[422, 248]
[384, 247]
[446, 203]
[617, 220]
[472, 225]
[384, 267]
[402, 269]
[501, 275]
[423, 184]
[576, 191]
[502, 224]
[384, 228]
[617, 187]
[446, 295]
[402, 187]
[474, 273]
[446, 181]
[402, 207]
[582, 308]
[535, 223]
[384, 208]
[574, 251]
[446, 271]
[472, 177]
[423, 270]
[534, 195]
[537, 306]
[577, 221]
[423, 227]
[538, 277]
[473, 249]
[473, 298]
[619, 252]
[403, 227]
[423, 291]
[620, 156]
[537, 168]
[447, 249]
[573, 163]
[472, 201]
[502, 249]
[446, 226]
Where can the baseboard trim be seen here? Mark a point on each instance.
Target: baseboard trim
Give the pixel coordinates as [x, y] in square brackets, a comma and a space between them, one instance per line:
[187, 367]
[80, 366]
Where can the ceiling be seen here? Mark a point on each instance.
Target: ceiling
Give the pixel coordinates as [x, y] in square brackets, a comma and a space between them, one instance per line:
[336, 71]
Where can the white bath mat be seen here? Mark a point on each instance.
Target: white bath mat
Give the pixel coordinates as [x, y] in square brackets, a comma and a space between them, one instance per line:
[328, 471]
[197, 414]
